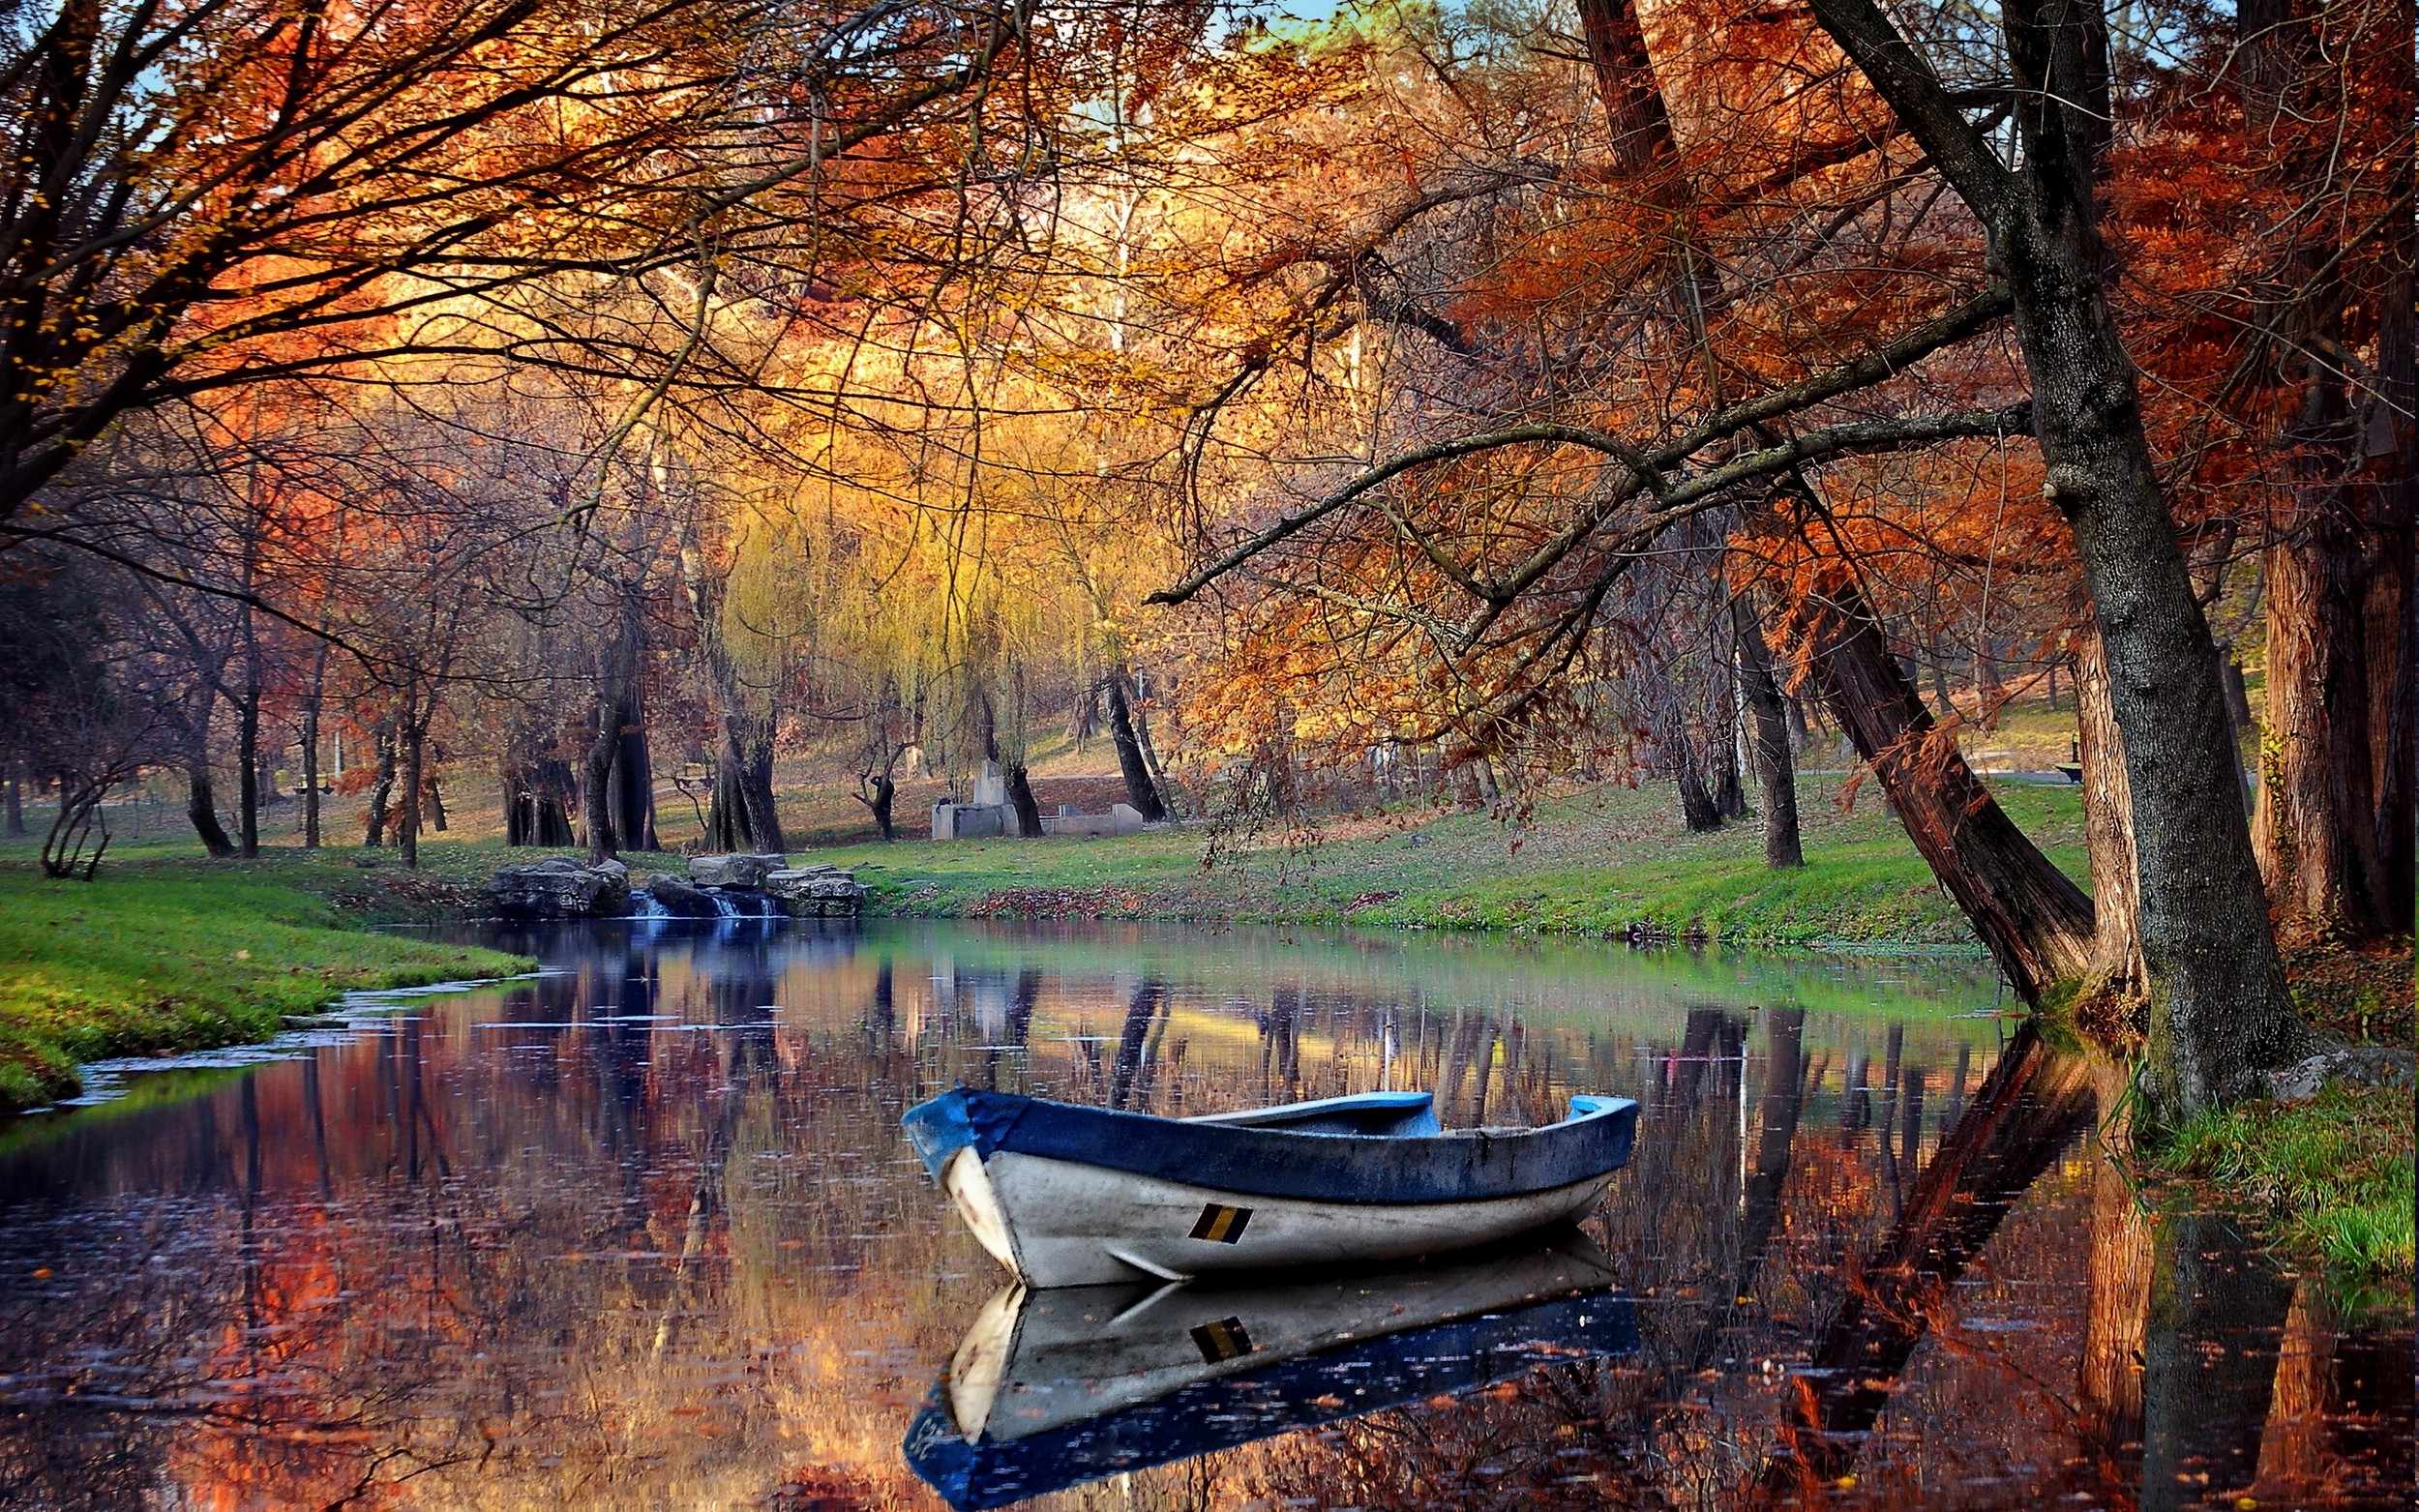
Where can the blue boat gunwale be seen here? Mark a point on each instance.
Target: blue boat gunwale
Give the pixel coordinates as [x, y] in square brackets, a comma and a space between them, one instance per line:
[1362, 1168]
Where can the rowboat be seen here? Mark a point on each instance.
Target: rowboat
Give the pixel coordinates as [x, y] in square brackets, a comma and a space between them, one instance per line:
[1053, 1388]
[1069, 1196]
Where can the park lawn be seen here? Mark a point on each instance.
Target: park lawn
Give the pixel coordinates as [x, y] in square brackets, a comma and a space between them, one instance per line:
[1606, 860]
[166, 955]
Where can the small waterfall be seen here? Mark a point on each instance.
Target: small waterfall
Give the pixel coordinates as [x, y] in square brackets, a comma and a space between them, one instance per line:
[643, 906]
[726, 905]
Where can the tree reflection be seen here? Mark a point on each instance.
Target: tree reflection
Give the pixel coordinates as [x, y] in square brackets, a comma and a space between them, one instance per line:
[629, 1235]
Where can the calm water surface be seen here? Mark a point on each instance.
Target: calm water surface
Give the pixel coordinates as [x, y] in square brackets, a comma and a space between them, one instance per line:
[643, 1232]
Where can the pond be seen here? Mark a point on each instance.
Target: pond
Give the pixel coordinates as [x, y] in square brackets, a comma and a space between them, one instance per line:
[643, 1231]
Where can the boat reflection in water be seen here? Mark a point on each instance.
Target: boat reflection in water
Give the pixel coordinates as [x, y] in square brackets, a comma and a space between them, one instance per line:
[1053, 1388]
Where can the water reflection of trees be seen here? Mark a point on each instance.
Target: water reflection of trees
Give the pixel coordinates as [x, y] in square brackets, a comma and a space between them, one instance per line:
[601, 1257]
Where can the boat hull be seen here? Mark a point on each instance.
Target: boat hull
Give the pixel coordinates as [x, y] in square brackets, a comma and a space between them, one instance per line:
[1061, 1223]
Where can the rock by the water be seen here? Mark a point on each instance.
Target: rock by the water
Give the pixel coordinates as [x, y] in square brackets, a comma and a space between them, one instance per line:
[817, 892]
[677, 897]
[733, 870]
[560, 888]
[2351, 1065]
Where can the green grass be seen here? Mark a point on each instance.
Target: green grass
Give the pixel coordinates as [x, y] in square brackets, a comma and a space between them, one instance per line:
[166, 954]
[1605, 861]
[170, 951]
[2337, 1171]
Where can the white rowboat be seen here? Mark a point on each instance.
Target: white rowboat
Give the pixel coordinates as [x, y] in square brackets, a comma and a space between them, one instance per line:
[1069, 1196]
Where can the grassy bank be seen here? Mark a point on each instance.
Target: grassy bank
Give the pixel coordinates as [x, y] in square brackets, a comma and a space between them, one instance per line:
[1603, 861]
[166, 954]
[2335, 1171]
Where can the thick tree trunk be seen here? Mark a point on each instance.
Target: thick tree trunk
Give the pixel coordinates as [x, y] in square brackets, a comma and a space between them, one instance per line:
[1021, 798]
[885, 793]
[1625, 83]
[2220, 1013]
[1140, 790]
[1730, 798]
[2316, 822]
[2108, 829]
[2391, 597]
[2036, 922]
[202, 806]
[1775, 769]
[596, 783]
[1699, 810]
[633, 779]
[740, 816]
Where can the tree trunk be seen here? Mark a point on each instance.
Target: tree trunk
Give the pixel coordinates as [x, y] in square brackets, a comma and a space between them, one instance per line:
[2314, 825]
[2391, 598]
[382, 788]
[407, 824]
[884, 792]
[2238, 716]
[634, 779]
[1140, 790]
[2220, 1013]
[596, 785]
[2036, 922]
[202, 806]
[2315, 818]
[1625, 83]
[1730, 799]
[248, 772]
[2108, 827]
[741, 816]
[1697, 809]
[1021, 798]
[310, 749]
[1775, 769]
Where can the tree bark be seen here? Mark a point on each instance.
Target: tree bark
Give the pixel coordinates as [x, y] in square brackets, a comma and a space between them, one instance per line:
[2391, 600]
[741, 817]
[410, 735]
[2220, 1013]
[310, 747]
[248, 765]
[2315, 824]
[1775, 769]
[1140, 790]
[2117, 968]
[202, 806]
[1625, 83]
[596, 783]
[2036, 922]
[885, 791]
[634, 778]
[1021, 798]
[382, 788]
[1697, 809]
